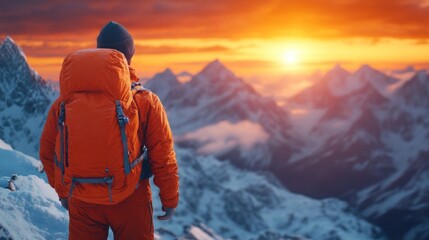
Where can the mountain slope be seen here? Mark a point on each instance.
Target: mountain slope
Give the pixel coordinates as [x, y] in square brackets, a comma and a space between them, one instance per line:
[217, 199]
[24, 214]
[24, 99]
[370, 149]
[215, 97]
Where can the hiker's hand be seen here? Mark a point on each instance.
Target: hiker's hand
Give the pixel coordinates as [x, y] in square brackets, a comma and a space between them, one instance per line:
[65, 203]
[169, 212]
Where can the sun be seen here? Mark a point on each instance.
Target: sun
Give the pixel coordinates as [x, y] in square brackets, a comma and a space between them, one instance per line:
[290, 57]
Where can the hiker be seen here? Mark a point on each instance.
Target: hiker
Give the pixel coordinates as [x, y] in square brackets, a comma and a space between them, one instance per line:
[92, 145]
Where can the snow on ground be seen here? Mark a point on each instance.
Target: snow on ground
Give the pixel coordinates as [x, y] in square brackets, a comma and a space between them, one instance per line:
[4, 145]
[217, 200]
[33, 211]
[247, 205]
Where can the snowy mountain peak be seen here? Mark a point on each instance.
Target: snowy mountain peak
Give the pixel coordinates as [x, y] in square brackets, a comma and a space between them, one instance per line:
[215, 64]
[216, 70]
[408, 69]
[163, 83]
[23, 93]
[338, 67]
[338, 71]
[168, 71]
[367, 70]
[9, 40]
[167, 75]
[10, 49]
[14, 68]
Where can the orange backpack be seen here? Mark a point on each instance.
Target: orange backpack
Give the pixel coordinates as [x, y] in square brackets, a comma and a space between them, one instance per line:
[97, 148]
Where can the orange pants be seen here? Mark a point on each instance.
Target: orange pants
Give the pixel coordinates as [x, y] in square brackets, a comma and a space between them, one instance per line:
[130, 219]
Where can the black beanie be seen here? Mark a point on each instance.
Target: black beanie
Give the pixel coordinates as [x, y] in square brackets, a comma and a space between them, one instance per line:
[115, 36]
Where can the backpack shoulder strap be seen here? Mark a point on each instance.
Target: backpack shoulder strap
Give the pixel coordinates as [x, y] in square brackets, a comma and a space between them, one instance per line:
[146, 172]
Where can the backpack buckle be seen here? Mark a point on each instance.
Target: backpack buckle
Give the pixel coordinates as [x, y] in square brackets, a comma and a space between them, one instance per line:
[122, 120]
[108, 180]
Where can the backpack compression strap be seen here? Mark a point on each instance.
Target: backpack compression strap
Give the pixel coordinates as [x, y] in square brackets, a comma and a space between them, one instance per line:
[105, 180]
[122, 121]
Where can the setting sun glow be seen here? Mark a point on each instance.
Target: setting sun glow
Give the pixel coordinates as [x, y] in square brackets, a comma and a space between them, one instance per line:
[264, 42]
[291, 57]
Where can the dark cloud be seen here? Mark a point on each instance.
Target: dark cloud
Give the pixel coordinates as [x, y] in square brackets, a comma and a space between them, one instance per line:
[218, 19]
[60, 49]
[174, 49]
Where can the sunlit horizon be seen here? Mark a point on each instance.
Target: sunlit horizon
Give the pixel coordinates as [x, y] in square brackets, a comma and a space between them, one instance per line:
[260, 58]
[262, 42]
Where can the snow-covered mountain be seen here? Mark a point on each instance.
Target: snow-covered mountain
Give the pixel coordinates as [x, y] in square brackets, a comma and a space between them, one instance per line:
[349, 127]
[367, 145]
[346, 134]
[251, 130]
[24, 99]
[414, 93]
[338, 83]
[218, 201]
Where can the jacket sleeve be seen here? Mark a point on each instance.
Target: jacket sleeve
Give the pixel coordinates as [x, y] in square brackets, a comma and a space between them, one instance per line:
[159, 142]
[47, 143]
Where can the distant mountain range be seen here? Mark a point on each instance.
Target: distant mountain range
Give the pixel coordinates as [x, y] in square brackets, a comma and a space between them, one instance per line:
[371, 147]
[361, 137]
[216, 95]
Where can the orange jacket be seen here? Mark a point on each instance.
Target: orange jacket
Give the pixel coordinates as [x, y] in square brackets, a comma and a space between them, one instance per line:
[159, 141]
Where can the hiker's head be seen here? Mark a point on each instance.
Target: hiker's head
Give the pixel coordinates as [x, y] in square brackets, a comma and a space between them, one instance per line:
[114, 35]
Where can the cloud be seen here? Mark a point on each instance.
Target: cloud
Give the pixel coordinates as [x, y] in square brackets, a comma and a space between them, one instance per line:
[224, 136]
[145, 49]
[219, 19]
[62, 49]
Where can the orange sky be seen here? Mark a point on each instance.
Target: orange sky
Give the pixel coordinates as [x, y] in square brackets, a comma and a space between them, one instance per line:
[259, 40]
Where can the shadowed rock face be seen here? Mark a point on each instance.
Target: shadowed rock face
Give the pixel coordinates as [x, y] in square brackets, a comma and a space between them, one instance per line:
[356, 137]
[215, 95]
[371, 162]
[24, 99]
[415, 92]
